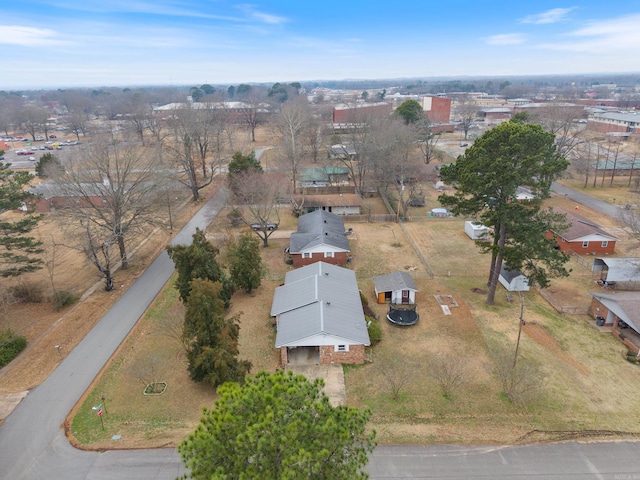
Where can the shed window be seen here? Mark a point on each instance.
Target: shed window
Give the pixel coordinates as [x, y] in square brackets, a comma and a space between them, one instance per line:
[605, 243]
[585, 244]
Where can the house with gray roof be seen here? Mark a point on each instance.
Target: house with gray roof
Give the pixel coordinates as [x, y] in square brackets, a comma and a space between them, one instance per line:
[319, 316]
[621, 312]
[321, 236]
[396, 287]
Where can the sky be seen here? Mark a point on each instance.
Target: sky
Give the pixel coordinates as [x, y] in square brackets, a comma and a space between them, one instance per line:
[93, 43]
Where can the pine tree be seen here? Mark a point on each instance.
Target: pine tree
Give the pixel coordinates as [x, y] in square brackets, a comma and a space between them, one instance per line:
[198, 260]
[278, 426]
[245, 263]
[486, 180]
[18, 251]
[211, 339]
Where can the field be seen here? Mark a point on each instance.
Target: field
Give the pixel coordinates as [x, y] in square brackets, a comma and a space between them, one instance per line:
[578, 366]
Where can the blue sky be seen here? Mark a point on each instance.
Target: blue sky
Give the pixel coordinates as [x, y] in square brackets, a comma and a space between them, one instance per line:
[68, 43]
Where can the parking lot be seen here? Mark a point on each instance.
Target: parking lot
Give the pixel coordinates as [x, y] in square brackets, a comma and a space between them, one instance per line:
[24, 155]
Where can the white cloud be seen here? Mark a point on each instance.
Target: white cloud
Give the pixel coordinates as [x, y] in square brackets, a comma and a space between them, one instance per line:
[550, 16]
[613, 36]
[29, 36]
[505, 39]
[268, 18]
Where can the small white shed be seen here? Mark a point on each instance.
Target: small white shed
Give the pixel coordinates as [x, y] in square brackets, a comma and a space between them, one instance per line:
[476, 231]
[513, 280]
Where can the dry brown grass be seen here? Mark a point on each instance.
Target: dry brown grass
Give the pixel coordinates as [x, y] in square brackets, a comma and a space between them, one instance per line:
[581, 366]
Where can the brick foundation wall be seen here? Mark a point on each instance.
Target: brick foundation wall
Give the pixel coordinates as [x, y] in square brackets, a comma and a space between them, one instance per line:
[355, 355]
[339, 258]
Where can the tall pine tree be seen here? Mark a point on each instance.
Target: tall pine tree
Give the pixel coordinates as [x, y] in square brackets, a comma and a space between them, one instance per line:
[486, 180]
[18, 251]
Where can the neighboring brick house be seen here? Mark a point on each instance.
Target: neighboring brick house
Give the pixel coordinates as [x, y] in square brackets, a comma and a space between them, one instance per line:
[583, 236]
[321, 237]
[621, 311]
[50, 196]
[319, 316]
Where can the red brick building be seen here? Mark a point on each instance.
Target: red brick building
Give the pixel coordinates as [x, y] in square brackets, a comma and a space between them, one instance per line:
[438, 109]
[320, 238]
[360, 112]
[583, 236]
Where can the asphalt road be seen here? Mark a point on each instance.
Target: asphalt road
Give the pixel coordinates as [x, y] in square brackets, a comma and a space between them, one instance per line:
[33, 445]
[613, 211]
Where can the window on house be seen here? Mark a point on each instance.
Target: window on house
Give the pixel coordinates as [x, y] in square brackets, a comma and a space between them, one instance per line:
[306, 255]
[342, 348]
[585, 244]
[328, 254]
[605, 243]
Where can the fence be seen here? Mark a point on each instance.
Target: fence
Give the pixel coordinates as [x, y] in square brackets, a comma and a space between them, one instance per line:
[566, 309]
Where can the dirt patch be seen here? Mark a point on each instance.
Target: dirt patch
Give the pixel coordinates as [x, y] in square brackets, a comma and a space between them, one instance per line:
[539, 335]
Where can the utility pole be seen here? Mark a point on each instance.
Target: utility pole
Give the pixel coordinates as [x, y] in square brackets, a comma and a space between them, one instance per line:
[521, 318]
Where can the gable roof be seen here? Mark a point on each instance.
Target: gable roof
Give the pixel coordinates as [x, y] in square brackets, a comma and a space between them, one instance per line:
[581, 227]
[394, 281]
[319, 299]
[319, 228]
[509, 275]
[625, 305]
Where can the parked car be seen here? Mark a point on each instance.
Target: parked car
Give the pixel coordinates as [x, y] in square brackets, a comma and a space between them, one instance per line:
[33, 159]
[259, 226]
[39, 138]
[52, 136]
[1, 157]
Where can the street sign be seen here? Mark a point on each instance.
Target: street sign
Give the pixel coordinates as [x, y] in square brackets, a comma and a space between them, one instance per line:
[99, 412]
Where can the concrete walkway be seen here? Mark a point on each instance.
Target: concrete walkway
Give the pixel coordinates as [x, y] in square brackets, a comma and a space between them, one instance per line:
[333, 377]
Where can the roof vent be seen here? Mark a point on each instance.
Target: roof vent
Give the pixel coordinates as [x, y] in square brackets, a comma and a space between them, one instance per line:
[328, 303]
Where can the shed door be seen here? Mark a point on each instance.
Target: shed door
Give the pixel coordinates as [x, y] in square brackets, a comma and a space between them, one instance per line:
[405, 296]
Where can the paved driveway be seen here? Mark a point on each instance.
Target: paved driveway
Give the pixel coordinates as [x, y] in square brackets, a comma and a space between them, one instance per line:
[333, 377]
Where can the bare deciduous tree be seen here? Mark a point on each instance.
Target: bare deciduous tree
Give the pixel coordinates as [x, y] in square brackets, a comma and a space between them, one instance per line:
[521, 383]
[185, 124]
[449, 372]
[467, 111]
[289, 127]
[113, 189]
[258, 193]
[397, 372]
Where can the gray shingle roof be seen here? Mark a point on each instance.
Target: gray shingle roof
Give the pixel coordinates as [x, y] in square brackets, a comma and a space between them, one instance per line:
[394, 281]
[581, 227]
[319, 228]
[319, 299]
[509, 275]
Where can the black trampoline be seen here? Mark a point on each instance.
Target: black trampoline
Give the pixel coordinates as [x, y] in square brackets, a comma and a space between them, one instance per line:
[404, 315]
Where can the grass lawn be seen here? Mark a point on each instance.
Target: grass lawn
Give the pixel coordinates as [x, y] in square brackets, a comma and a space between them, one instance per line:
[578, 367]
